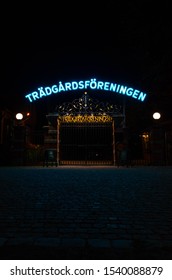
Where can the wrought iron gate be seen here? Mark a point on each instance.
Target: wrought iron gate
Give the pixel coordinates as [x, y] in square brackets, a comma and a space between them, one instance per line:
[86, 143]
[85, 131]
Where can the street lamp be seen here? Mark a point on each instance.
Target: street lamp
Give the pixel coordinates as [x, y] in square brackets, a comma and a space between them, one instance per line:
[21, 135]
[156, 116]
[22, 118]
[19, 116]
[159, 140]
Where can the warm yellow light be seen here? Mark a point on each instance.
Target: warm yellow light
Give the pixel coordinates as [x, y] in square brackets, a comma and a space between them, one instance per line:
[85, 118]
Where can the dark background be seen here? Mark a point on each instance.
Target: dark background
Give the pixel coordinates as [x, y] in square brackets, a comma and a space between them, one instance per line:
[124, 42]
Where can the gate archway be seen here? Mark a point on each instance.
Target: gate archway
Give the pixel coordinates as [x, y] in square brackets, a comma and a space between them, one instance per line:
[86, 130]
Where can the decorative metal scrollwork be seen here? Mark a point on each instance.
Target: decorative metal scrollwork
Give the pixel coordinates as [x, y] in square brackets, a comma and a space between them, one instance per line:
[87, 106]
[85, 118]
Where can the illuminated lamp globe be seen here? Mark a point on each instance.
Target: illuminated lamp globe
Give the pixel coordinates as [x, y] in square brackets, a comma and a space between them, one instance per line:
[156, 116]
[19, 116]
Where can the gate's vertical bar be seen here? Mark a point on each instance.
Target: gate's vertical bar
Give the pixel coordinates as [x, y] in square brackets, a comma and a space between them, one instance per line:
[58, 141]
[113, 141]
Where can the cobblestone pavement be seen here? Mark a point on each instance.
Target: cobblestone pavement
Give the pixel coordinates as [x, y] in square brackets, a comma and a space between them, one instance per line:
[85, 213]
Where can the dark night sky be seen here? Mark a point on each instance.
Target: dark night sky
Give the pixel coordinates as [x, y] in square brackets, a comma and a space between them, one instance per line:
[127, 43]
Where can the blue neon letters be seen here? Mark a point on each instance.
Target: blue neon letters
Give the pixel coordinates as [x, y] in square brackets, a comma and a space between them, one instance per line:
[88, 84]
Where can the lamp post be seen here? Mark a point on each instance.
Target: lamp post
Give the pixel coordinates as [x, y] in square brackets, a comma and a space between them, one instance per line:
[20, 135]
[159, 139]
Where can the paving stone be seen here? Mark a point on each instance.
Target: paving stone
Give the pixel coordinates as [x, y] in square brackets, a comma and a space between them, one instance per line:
[47, 242]
[20, 241]
[123, 244]
[100, 243]
[72, 242]
[3, 241]
[105, 208]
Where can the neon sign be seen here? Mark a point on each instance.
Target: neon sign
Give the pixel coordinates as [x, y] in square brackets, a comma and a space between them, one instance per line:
[92, 84]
